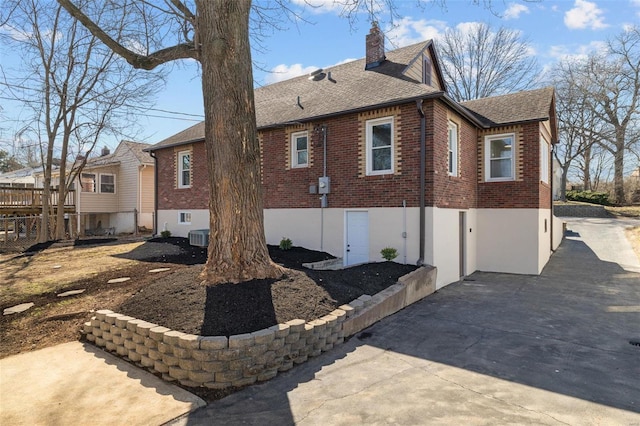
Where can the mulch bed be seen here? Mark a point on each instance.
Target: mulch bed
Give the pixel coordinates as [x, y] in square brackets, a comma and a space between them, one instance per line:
[180, 302]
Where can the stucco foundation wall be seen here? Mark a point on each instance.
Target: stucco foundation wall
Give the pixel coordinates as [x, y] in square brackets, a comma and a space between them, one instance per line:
[558, 231]
[220, 362]
[446, 244]
[544, 238]
[199, 220]
[146, 220]
[303, 227]
[123, 222]
[508, 240]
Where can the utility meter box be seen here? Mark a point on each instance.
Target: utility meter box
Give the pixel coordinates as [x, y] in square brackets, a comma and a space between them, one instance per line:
[324, 185]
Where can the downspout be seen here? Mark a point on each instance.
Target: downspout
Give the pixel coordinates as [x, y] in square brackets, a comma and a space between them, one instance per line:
[423, 150]
[155, 192]
[551, 177]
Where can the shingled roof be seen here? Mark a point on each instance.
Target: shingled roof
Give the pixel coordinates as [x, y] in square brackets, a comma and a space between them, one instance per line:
[532, 105]
[347, 87]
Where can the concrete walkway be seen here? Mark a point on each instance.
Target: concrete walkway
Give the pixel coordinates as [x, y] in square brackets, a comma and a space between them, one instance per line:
[495, 349]
[78, 384]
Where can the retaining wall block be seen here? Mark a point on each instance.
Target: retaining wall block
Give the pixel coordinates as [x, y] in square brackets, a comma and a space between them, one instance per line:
[296, 325]
[241, 341]
[164, 348]
[111, 318]
[134, 356]
[178, 373]
[348, 310]
[181, 352]
[144, 328]
[133, 324]
[160, 367]
[172, 337]
[201, 355]
[97, 332]
[126, 333]
[190, 364]
[121, 321]
[130, 344]
[189, 383]
[189, 341]
[86, 327]
[365, 299]
[90, 337]
[154, 355]
[118, 340]
[201, 377]
[357, 305]
[150, 343]
[110, 346]
[229, 354]
[276, 344]
[95, 322]
[147, 362]
[264, 337]
[419, 283]
[137, 338]
[157, 333]
[300, 359]
[122, 351]
[102, 313]
[240, 364]
[228, 376]
[212, 343]
[104, 326]
[292, 338]
[286, 365]
[114, 330]
[142, 349]
[245, 381]
[214, 366]
[170, 360]
[267, 375]
[217, 385]
[106, 336]
[281, 330]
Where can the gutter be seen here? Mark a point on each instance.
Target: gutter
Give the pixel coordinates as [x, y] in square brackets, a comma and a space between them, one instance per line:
[423, 168]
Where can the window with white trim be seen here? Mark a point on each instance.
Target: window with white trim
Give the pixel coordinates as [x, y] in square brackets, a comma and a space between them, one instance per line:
[88, 182]
[499, 157]
[184, 169]
[379, 136]
[453, 149]
[544, 161]
[184, 218]
[107, 183]
[300, 149]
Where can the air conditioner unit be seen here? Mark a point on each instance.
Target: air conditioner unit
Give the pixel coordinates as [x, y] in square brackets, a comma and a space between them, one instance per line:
[199, 237]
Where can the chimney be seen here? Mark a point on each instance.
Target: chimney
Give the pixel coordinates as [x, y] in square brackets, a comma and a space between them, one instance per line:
[105, 151]
[375, 47]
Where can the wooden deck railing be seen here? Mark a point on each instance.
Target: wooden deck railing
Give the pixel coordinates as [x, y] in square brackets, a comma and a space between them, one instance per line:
[23, 199]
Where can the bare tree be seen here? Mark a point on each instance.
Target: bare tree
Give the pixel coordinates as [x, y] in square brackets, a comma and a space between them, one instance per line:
[611, 83]
[75, 88]
[216, 33]
[480, 62]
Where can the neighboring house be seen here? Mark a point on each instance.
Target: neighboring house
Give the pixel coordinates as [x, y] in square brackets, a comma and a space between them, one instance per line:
[22, 178]
[113, 188]
[480, 199]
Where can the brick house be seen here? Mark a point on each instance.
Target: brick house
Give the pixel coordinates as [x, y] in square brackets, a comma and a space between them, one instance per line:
[373, 153]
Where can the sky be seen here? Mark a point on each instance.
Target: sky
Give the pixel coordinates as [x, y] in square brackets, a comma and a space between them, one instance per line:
[555, 29]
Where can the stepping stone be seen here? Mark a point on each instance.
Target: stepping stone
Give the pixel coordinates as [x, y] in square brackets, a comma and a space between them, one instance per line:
[153, 271]
[17, 309]
[57, 266]
[118, 280]
[72, 292]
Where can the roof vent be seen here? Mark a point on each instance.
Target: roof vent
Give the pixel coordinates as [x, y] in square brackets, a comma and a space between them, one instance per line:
[375, 47]
[317, 75]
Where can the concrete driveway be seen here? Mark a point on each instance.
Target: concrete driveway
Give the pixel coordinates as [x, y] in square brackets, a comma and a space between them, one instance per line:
[495, 349]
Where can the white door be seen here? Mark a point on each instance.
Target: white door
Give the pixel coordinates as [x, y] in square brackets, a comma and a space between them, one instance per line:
[357, 238]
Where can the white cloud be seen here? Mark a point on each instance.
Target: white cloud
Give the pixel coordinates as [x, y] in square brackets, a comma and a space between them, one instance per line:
[515, 10]
[284, 72]
[584, 15]
[409, 31]
[564, 52]
[14, 33]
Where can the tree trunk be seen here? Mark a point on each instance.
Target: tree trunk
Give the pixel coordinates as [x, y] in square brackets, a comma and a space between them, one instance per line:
[618, 169]
[563, 182]
[237, 244]
[586, 172]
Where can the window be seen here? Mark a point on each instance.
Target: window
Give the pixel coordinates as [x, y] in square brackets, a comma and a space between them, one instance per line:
[499, 160]
[453, 149]
[544, 161]
[184, 170]
[88, 182]
[184, 218]
[107, 184]
[380, 146]
[299, 149]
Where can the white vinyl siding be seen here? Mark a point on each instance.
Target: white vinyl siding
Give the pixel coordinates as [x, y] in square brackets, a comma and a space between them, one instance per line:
[379, 136]
[499, 157]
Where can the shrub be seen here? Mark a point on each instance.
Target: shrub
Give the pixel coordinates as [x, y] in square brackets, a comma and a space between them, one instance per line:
[601, 198]
[389, 253]
[285, 244]
[165, 234]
